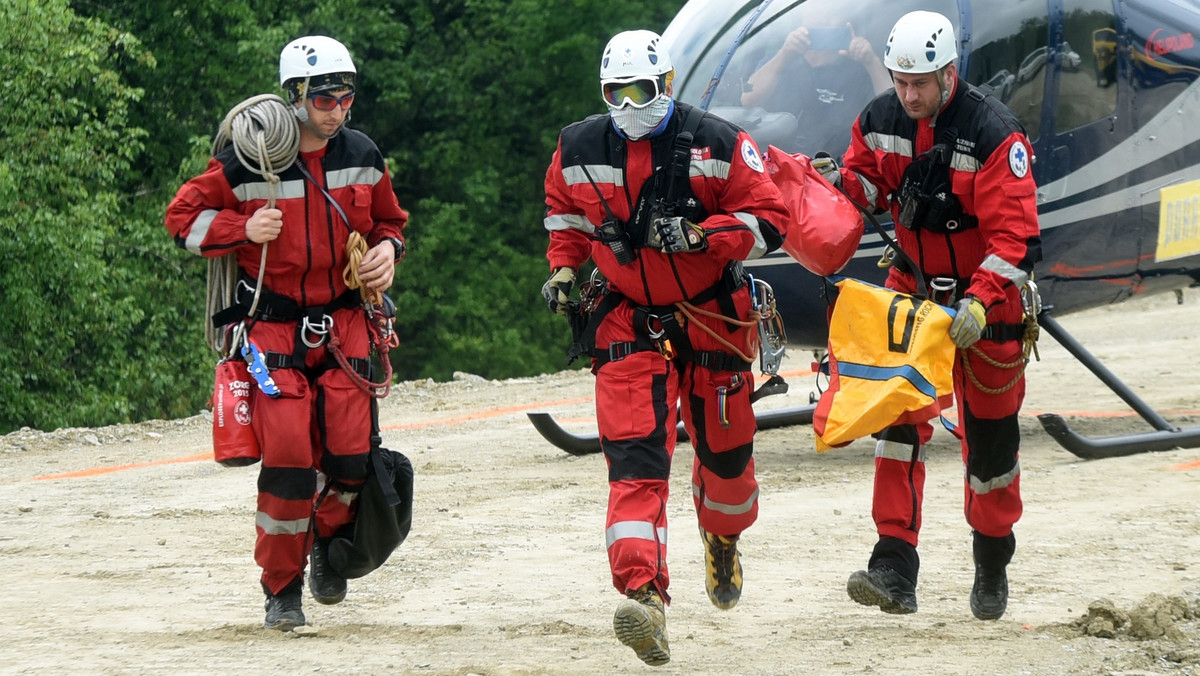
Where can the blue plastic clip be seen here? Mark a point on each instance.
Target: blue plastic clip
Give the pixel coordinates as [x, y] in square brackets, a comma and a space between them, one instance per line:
[258, 369]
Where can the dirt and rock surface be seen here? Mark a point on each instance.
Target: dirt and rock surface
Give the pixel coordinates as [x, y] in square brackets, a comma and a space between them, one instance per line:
[126, 550]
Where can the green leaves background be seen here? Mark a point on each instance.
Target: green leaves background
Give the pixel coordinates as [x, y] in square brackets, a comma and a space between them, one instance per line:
[111, 105]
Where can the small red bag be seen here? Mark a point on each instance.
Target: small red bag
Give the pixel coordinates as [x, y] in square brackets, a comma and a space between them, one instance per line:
[234, 443]
[825, 226]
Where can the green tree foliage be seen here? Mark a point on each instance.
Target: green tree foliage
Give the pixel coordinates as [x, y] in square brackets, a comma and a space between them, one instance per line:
[72, 323]
[470, 99]
[117, 104]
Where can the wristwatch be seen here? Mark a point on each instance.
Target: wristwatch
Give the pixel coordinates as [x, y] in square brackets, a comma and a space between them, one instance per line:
[398, 244]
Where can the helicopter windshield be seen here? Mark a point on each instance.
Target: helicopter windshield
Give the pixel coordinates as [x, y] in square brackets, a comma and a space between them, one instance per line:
[800, 74]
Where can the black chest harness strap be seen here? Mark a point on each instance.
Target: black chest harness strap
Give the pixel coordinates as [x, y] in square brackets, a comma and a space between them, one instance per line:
[926, 196]
[676, 198]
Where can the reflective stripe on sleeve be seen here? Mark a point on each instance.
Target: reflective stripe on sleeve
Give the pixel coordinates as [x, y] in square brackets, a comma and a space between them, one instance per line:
[869, 189]
[199, 230]
[569, 222]
[999, 266]
[760, 244]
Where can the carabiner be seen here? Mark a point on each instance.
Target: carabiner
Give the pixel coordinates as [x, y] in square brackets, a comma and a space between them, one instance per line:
[654, 335]
[321, 331]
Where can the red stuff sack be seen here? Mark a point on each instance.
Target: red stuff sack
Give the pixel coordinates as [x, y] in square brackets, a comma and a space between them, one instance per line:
[234, 443]
[825, 226]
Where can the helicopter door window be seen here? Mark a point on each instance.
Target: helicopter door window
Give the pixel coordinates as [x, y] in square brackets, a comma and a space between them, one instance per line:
[1010, 54]
[1087, 61]
[816, 63]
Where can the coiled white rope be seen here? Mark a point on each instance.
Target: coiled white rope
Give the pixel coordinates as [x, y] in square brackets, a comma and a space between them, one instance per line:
[265, 138]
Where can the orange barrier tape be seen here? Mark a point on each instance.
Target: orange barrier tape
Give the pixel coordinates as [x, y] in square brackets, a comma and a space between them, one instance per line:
[490, 413]
[95, 471]
[481, 415]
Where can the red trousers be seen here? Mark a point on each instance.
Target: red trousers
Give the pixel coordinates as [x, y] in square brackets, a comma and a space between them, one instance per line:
[990, 439]
[321, 422]
[638, 399]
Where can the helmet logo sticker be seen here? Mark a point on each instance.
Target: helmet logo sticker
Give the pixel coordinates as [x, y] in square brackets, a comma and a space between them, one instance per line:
[905, 62]
[1018, 159]
[750, 156]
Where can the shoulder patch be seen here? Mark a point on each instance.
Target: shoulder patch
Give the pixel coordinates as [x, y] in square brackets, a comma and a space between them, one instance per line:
[751, 157]
[1018, 159]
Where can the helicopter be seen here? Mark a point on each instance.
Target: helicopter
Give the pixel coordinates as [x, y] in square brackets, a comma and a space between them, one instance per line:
[1108, 92]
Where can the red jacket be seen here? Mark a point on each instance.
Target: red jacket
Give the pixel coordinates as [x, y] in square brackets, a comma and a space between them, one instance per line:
[209, 213]
[740, 209]
[990, 174]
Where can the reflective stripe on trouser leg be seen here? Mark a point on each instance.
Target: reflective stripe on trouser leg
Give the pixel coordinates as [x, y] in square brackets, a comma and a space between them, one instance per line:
[286, 479]
[636, 419]
[286, 485]
[991, 440]
[637, 547]
[900, 481]
[724, 490]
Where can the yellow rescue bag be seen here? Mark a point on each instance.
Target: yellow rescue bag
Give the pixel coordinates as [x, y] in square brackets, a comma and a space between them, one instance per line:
[890, 363]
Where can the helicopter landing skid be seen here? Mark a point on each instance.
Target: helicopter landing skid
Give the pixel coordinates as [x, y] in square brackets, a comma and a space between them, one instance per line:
[1165, 436]
[586, 444]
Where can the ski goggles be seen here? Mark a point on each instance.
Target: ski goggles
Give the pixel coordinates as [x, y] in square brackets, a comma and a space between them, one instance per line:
[637, 93]
[325, 102]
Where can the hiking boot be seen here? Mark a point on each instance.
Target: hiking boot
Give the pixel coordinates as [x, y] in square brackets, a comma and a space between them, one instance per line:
[326, 585]
[989, 596]
[883, 587]
[641, 623]
[283, 611]
[722, 570]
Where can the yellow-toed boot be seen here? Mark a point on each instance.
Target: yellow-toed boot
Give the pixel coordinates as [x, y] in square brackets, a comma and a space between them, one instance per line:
[722, 570]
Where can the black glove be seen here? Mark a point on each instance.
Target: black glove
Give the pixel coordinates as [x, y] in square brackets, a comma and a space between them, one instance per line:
[557, 289]
[679, 235]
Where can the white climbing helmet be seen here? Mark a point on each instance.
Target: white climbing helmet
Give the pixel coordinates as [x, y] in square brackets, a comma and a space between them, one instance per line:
[634, 54]
[635, 69]
[920, 42]
[321, 62]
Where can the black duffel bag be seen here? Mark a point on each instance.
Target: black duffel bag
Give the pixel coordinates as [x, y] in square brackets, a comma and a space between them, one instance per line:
[383, 519]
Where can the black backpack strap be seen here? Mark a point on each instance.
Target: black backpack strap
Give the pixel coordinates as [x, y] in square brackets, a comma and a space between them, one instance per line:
[682, 158]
